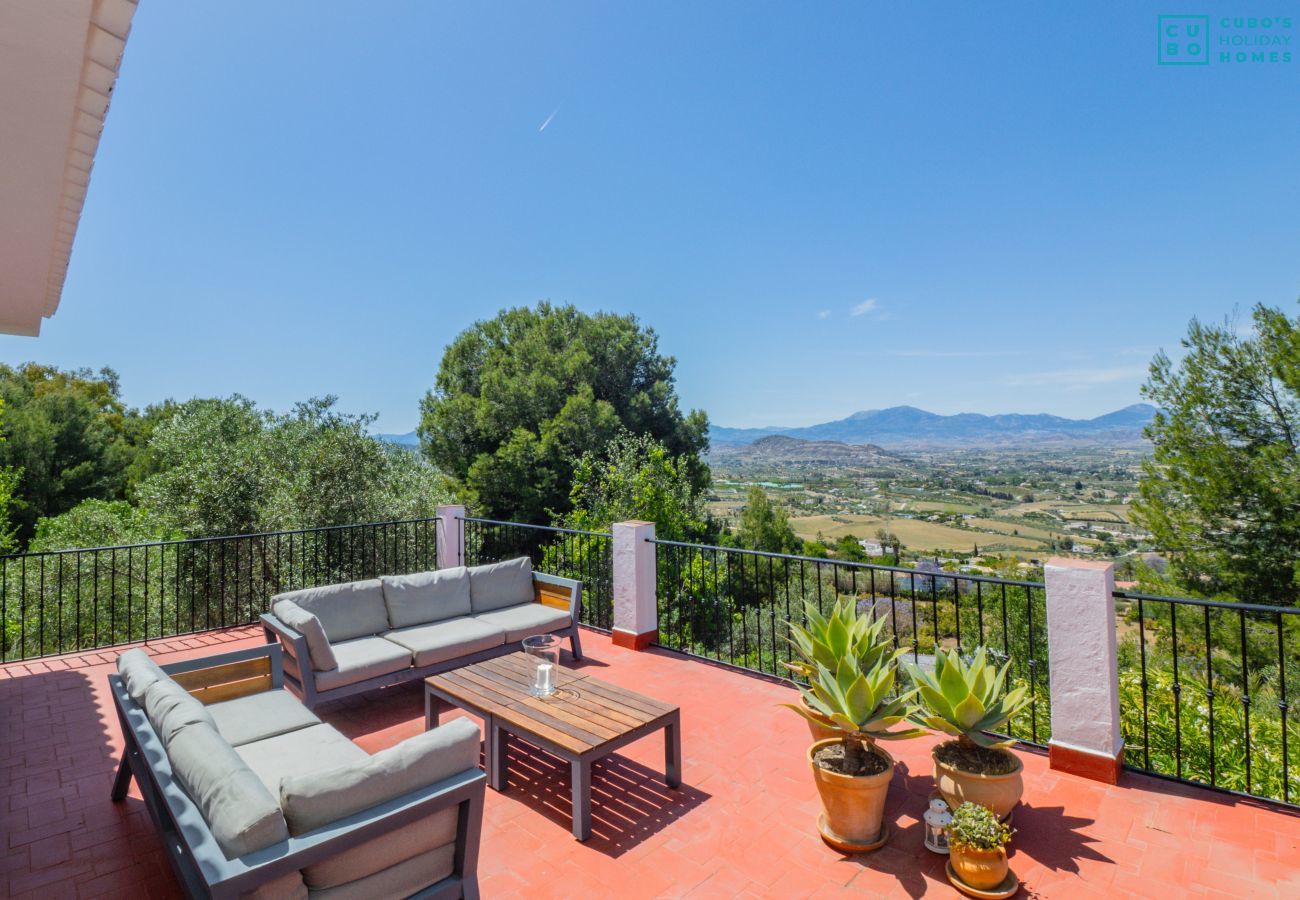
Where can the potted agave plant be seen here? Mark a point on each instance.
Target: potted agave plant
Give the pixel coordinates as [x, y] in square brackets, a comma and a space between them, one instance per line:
[966, 701]
[851, 672]
[977, 847]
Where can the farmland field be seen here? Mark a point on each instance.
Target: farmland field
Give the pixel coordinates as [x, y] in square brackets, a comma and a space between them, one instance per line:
[915, 534]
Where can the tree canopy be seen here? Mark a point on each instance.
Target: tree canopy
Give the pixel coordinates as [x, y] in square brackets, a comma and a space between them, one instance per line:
[636, 478]
[520, 398]
[765, 526]
[1221, 493]
[68, 433]
[226, 467]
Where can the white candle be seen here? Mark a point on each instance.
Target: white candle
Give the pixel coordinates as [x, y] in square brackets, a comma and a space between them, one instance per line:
[544, 677]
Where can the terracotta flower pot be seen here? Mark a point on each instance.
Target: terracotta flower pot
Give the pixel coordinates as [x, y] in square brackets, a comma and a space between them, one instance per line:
[853, 805]
[818, 732]
[999, 793]
[980, 869]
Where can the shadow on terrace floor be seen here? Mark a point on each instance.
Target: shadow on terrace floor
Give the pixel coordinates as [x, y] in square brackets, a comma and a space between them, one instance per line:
[61, 833]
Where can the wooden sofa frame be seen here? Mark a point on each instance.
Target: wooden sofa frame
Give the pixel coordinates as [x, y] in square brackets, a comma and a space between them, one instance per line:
[199, 862]
[550, 590]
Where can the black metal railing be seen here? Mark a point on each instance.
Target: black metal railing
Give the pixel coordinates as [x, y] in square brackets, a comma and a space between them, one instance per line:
[1205, 692]
[569, 552]
[62, 601]
[731, 606]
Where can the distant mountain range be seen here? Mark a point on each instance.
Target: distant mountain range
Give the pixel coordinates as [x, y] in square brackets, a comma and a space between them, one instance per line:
[410, 439]
[779, 448]
[907, 426]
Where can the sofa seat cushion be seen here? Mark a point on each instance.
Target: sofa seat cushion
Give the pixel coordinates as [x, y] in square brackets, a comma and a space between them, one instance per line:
[362, 658]
[288, 886]
[402, 880]
[138, 671]
[519, 622]
[320, 797]
[260, 716]
[442, 641]
[312, 749]
[351, 610]
[385, 851]
[501, 584]
[309, 626]
[241, 812]
[169, 708]
[426, 596]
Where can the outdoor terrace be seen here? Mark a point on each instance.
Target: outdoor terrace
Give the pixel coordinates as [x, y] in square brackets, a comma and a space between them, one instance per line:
[742, 824]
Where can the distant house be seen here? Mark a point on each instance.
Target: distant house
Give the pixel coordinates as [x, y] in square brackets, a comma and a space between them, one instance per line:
[871, 548]
[1081, 548]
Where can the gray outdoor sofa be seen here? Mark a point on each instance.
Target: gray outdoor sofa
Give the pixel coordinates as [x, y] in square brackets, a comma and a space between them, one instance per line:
[255, 797]
[345, 639]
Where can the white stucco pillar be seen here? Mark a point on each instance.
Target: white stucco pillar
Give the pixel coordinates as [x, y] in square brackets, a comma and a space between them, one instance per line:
[451, 536]
[636, 610]
[1083, 675]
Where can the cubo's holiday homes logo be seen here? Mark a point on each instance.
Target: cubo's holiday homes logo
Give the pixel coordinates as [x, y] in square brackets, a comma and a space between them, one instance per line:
[1224, 40]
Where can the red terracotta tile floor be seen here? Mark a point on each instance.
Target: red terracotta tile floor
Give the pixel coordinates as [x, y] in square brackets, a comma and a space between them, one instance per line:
[741, 826]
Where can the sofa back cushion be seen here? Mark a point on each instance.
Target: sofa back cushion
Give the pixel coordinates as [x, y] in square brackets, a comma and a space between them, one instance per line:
[501, 584]
[314, 799]
[426, 596]
[170, 708]
[239, 810]
[309, 626]
[138, 672]
[352, 610]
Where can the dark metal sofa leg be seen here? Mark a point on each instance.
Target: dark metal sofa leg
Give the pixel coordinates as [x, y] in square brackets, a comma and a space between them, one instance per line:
[575, 644]
[122, 782]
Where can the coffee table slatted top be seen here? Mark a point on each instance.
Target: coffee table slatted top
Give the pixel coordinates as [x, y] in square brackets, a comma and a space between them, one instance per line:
[583, 714]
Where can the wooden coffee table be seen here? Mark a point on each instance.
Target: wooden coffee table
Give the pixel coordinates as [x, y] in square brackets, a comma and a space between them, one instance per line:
[585, 720]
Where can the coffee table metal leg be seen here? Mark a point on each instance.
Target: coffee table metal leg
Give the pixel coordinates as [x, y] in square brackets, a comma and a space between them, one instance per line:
[581, 769]
[673, 753]
[432, 711]
[498, 744]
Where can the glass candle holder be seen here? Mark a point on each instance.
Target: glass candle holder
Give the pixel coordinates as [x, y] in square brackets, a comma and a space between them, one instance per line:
[545, 651]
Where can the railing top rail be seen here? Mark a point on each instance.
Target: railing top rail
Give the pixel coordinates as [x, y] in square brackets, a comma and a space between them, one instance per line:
[218, 537]
[555, 528]
[956, 576]
[1215, 604]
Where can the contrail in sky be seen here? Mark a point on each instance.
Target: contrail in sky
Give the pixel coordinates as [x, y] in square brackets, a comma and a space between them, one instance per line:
[548, 120]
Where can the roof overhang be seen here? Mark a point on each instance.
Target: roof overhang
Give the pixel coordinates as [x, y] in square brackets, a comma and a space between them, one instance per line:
[58, 63]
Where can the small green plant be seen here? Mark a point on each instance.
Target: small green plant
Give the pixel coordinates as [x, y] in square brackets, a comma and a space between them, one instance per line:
[851, 672]
[978, 828]
[967, 700]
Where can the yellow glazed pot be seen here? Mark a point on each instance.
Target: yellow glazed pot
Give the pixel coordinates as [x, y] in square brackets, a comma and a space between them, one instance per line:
[980, 869]
[853, 805]
[999, 793]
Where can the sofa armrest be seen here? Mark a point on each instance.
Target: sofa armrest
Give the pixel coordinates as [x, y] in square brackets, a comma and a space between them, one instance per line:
[557, 591]
[295, 643]
[300, 674]
[464, 790]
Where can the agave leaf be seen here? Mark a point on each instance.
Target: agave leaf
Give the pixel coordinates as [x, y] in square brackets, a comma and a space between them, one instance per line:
[991, 743]
[968, 712]
[936, 702]
[952, 682]
[861, 699]
[980, 676]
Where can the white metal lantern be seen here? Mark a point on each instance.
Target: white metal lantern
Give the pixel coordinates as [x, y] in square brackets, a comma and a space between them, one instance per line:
[937, 819]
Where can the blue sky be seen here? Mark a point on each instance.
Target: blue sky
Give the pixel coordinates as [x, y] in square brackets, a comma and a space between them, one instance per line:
[820, 208]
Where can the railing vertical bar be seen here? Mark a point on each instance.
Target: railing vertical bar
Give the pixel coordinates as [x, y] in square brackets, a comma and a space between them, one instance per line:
[1245, 694]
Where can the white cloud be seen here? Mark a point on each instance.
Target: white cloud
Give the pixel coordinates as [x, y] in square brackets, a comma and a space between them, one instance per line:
[824, 314]
[1078, 379]
[864, 307]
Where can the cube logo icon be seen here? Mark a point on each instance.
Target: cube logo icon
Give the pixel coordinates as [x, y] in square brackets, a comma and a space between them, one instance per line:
[1184, 40]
